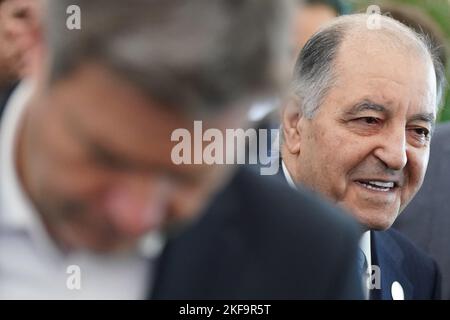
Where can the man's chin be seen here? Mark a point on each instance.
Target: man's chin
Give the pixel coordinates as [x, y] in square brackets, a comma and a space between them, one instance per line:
[99, 241]
[376, 223]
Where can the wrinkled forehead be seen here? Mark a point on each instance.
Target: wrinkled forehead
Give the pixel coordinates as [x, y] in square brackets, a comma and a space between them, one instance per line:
[374, 62]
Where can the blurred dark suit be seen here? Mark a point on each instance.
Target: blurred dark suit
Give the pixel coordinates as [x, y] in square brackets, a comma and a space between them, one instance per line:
[260, 239]
[426, 220]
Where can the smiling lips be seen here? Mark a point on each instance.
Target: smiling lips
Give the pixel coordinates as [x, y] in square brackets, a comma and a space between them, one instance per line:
[377, 185]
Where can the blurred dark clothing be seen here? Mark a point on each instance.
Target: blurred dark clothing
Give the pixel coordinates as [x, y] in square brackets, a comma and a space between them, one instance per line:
[260, 239]
[426, 220]
[4, 96]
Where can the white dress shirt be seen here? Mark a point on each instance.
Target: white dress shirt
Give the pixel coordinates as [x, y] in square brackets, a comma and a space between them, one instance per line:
[31, 265]
[364, 243]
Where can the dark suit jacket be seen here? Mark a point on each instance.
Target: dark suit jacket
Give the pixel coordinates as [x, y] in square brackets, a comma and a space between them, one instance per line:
[399, 260]
[259, 239]
[426, 220]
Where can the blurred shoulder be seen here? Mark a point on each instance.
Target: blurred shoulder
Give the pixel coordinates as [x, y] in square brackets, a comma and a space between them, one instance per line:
[270, 200]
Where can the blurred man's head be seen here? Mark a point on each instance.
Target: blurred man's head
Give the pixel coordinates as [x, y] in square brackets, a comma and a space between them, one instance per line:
[357, 128]
[18, 21]
[95, 154]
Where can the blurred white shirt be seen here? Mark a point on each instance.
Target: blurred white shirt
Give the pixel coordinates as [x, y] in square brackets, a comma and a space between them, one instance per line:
[260, 110]
[31, 266]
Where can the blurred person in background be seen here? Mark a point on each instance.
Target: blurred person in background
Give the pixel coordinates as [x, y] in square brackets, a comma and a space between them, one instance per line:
[426, 221]
[98, 190]
[18, 25]
[309, 16]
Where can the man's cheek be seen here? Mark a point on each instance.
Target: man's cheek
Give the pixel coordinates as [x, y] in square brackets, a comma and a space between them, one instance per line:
[81, 179]
[416, 170]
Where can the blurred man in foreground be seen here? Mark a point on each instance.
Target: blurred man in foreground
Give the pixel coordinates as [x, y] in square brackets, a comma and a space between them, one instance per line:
[92, 204]
[356, 130]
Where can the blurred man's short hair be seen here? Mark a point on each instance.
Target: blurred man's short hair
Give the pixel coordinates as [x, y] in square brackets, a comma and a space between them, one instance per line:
[178, 55]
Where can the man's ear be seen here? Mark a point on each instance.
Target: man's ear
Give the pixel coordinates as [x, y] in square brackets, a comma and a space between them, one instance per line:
[291, 116]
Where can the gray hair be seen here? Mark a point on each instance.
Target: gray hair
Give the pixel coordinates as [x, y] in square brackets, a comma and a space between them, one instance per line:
[196, 55]
[314, 72]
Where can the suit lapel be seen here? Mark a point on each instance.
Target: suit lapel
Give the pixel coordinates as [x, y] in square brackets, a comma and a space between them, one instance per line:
[389, 257]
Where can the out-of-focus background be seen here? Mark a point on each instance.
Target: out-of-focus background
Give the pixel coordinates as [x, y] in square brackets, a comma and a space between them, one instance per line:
[433, 17]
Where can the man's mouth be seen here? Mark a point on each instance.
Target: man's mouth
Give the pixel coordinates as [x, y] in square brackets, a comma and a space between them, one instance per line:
[378, 185]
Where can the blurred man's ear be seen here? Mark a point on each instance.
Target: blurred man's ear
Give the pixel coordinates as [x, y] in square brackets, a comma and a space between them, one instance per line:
[291, 116]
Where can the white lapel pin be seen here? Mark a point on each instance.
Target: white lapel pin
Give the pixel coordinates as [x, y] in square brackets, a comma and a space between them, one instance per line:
[397, 291]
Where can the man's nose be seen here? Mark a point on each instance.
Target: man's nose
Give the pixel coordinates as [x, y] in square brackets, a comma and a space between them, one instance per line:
[136, 205]
[392, 149]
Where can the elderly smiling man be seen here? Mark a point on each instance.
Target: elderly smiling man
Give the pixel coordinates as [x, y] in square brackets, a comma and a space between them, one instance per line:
[357, 130]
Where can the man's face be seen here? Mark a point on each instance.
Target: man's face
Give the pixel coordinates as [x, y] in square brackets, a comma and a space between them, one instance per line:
[96, 161]
[367, 146]
[18, 19]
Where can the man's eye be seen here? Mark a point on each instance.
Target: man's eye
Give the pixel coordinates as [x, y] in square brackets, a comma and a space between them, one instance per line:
[107, 160]
[369, 120]
[21, 14]
[422, 132]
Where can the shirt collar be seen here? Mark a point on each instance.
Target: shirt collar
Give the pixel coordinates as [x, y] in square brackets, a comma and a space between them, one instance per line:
[16, 210]
[288, 176]
[364, 244]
